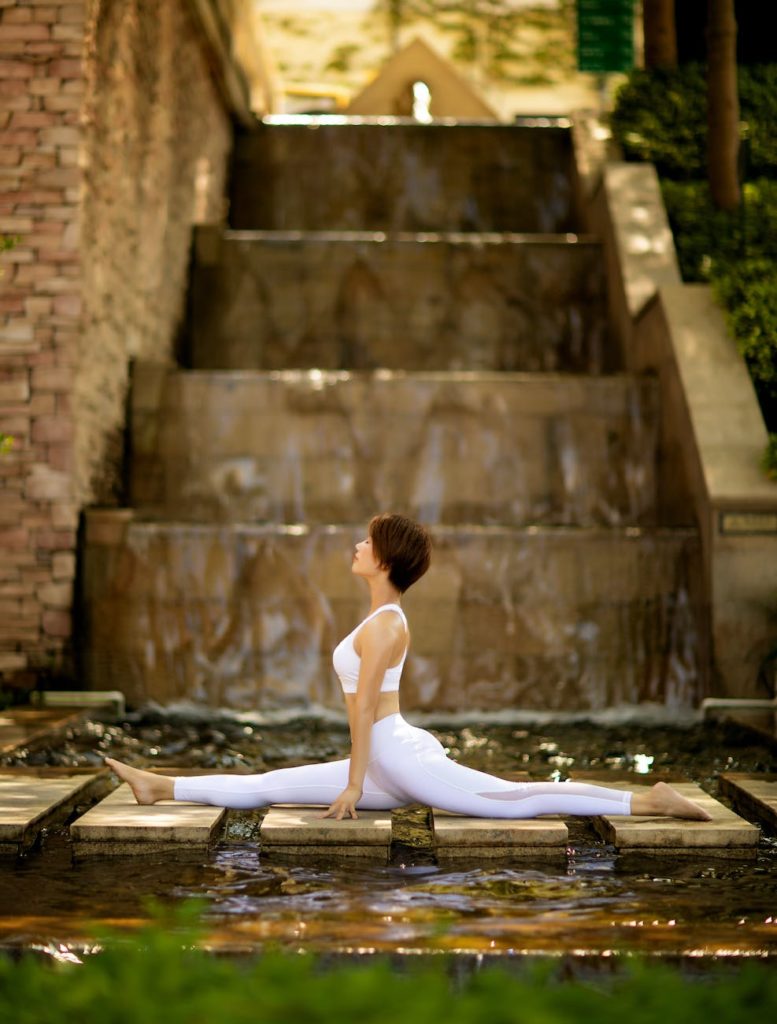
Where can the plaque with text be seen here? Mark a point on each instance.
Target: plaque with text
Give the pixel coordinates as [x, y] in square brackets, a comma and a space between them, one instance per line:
[748, 522]
[605, 35]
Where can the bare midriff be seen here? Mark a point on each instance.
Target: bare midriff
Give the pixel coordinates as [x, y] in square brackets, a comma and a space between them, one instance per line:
[388, 704]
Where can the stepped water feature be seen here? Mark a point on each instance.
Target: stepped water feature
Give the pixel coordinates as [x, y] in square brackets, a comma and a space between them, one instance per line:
[398, 316]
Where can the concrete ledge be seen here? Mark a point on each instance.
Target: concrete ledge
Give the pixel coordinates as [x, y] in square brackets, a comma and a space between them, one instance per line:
[118, 825]
[31, 799]
[728, 428]
[302, 832]
[457, 836]
[754, 795]
[642, 235]
[711, 443]
[712, 433]
[726, 834]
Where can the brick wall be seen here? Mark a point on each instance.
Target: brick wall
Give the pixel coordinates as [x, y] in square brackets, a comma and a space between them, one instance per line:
[113, 142]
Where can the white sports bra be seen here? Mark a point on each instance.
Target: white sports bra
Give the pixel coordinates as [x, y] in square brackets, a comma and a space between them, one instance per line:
[347, 662]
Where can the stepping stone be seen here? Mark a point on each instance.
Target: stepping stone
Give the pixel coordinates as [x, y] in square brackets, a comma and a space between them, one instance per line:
[457, 836]
[32, 798]
[753, 794]
[118, 825]
[300, 831]
[725, 835]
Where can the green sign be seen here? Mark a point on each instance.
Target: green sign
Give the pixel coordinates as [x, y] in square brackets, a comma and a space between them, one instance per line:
[605, 35]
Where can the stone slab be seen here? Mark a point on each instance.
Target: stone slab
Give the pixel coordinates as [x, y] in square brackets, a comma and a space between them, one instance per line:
[30, 798]
[467, 447]
[352, 301]
[370, 174]
[119, 825]
[457, 836]
[300, 831]
[726, 834]
[246, 615]
[754, 795]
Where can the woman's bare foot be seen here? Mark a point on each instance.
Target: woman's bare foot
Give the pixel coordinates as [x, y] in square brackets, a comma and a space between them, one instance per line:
[147, 787]
[664, 800]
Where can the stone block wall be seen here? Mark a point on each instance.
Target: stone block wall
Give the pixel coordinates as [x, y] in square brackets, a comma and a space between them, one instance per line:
[114, 140]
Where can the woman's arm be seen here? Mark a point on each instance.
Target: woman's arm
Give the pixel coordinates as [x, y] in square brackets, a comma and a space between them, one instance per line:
[378, 642]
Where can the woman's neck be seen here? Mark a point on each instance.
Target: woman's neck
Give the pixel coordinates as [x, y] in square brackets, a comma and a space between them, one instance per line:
[382, 592]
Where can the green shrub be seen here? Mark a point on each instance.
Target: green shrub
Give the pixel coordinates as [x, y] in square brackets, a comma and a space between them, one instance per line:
[707, 238]
[758, 109]
[748, 290]
[159, 976]
[734, 251]
[769, 461]
[661, 116]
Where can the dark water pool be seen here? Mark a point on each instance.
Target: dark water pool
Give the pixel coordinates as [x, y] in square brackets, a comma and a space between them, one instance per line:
[596, 902]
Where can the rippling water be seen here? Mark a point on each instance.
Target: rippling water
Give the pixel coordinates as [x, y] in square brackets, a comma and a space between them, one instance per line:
[596, 901]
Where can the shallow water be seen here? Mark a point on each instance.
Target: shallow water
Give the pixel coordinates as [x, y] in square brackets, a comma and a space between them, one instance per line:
[598, 901]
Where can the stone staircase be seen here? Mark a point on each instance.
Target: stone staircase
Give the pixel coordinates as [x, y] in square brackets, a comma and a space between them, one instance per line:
[398, 316]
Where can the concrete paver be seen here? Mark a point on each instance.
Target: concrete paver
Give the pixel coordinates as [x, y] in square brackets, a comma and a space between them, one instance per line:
[726, 834]
[457, 836]
[754, 795]
[300, 831]
[118, 825]
[30, 798]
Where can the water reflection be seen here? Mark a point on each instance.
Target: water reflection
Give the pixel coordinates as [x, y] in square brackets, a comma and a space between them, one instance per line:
[595, 901]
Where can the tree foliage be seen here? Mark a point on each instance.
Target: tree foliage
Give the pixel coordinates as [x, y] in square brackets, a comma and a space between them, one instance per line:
[660, 116]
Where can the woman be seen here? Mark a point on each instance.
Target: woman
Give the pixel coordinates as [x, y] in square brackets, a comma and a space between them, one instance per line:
[393, 763]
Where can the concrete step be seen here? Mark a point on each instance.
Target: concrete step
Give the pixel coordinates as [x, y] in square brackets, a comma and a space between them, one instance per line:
[118, 826]
[302, 832]
[361, 300]
[308, 446]
[458, 837]
[725, 835]
[753, 795]
[319, 173]
[247, 616]
[34, 798]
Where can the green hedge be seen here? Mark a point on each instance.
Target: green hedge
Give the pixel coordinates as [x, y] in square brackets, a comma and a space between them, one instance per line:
[158, 977]
[710, 241]
[661, 116]
[735, 253]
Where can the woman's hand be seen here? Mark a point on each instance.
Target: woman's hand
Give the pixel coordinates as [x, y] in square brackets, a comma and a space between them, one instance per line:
[345, 804]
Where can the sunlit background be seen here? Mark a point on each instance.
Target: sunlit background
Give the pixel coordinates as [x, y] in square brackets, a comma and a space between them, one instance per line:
[518, 54]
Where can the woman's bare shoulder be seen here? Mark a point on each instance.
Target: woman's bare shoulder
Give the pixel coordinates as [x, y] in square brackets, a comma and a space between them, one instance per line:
[382, 631]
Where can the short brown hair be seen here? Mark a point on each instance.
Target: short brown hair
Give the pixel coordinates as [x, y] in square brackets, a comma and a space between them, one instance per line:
[402, 545]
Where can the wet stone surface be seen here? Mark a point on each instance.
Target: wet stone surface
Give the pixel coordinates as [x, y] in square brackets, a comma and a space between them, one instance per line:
[245, 616]
[595, 901]
[555, 751]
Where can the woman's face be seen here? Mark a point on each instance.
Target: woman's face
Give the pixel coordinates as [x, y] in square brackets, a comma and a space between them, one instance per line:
[364, 561]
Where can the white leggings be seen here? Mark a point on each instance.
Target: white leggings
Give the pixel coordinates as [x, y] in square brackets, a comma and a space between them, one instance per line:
[407, 765]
